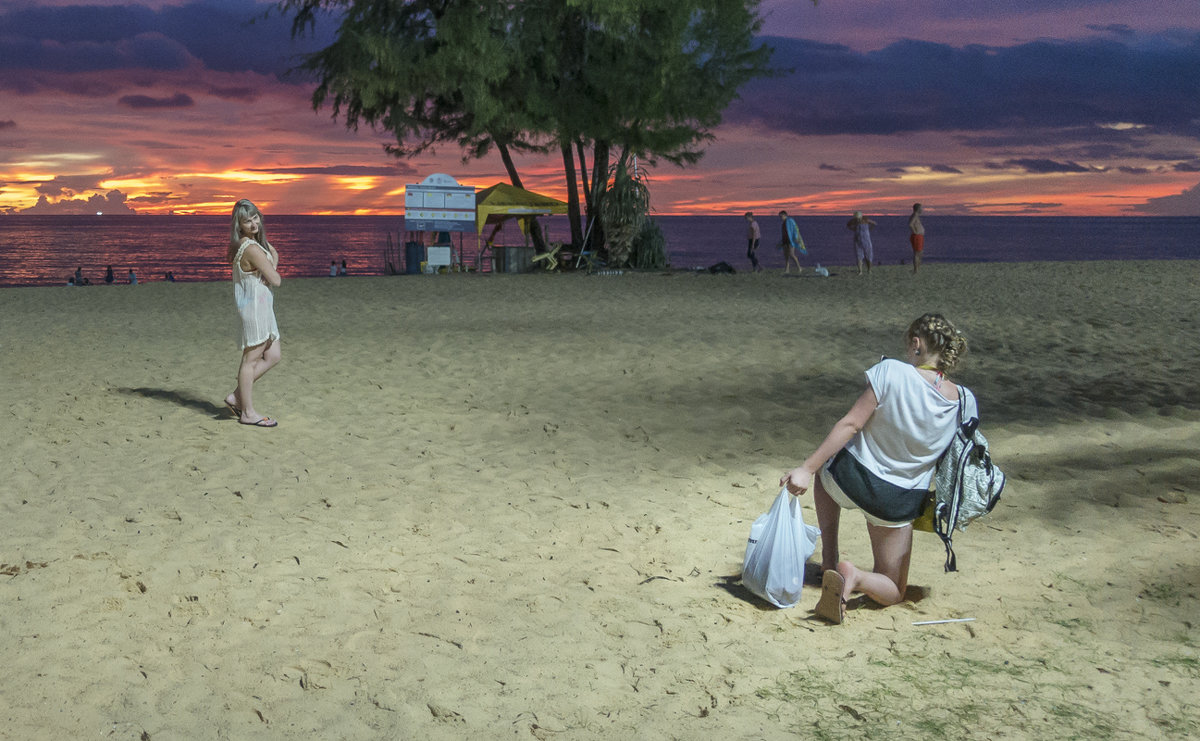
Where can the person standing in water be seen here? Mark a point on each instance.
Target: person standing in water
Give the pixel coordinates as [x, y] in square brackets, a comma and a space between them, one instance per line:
[863, 251]
[255, 266]
[916, 236]
[753, 235]
[791, 241]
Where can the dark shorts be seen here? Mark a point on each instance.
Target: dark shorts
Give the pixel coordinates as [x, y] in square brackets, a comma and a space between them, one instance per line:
[917, 241]
[885, 503]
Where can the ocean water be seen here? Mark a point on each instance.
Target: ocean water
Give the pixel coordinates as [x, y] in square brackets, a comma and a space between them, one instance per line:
[46, 250]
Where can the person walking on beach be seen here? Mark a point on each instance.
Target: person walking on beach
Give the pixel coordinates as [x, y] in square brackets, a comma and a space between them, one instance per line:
[880, 458]
[791, 241]
[132, 277]
[255, 265]
[916, 235]
[863, 251]
[753, 235]
[108, 275]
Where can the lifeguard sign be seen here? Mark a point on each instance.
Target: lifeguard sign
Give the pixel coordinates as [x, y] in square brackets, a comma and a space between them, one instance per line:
[439, 204]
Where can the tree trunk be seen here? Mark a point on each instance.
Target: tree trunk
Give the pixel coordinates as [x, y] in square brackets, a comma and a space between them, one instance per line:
[600, 153]
[583, 176]
[535, 229]
[572, 194]
[506, 157]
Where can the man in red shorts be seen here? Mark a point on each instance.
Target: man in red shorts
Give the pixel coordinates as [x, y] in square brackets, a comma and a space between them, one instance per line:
[916, 235]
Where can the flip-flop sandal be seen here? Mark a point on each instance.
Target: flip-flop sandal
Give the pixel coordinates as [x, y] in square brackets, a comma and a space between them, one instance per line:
[234, 408]
[831, 606]
[264, 422]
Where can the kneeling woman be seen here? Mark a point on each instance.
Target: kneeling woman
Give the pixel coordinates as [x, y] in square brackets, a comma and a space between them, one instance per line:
[880, 458]
[255, 266]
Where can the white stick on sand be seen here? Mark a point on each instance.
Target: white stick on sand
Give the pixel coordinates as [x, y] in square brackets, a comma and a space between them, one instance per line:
[950, 620]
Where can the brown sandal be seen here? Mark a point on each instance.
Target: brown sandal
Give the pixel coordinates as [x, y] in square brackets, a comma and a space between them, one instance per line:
[831, 606]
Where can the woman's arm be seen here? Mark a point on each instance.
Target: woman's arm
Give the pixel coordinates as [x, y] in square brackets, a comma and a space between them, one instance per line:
[799, 479]
[262, 263]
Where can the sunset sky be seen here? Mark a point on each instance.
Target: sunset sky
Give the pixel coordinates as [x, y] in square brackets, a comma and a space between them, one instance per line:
[1027, 107]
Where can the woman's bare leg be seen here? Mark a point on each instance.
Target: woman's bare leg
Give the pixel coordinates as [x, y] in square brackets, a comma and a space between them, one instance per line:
[892, 549]
[828, 516]
[256, 361]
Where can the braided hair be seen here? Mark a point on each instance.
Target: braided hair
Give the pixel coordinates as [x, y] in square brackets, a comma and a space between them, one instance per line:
[941, 337]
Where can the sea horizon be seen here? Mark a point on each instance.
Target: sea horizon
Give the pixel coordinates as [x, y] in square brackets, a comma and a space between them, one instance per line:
[45, 249]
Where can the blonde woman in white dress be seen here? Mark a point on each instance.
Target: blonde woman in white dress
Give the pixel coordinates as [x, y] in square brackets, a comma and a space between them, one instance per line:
[255, 266]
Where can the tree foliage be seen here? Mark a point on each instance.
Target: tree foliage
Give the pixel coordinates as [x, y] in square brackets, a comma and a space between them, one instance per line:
[600, 81]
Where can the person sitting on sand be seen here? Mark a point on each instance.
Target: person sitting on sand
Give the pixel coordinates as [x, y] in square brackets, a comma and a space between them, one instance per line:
[880, 458]
[863, 251]
[255, 270]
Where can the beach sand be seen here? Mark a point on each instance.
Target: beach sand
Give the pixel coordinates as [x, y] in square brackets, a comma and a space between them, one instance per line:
[516, 506]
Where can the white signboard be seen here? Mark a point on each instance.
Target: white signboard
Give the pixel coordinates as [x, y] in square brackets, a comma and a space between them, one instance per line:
[439, 204]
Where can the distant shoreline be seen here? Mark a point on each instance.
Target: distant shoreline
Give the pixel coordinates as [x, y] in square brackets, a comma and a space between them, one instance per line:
[807, 274]
[44, 250]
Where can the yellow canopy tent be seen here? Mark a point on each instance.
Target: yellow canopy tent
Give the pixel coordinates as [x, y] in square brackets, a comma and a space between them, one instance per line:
[503, 201]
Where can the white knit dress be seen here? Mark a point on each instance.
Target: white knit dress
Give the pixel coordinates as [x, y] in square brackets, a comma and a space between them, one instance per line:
[255, 302]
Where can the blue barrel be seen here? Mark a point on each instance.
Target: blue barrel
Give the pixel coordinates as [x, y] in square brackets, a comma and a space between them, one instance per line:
[414, 254]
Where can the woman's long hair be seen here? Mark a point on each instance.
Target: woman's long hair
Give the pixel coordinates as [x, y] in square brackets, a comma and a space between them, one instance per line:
[242, 209]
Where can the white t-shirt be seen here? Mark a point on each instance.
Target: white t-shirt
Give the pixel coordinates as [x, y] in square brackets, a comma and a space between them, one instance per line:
[910, 428]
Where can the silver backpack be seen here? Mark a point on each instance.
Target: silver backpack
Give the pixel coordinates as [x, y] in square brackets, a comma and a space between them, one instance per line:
[967, 484]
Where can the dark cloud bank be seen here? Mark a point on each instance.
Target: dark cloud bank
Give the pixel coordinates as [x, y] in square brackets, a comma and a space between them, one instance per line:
[920, 86]
[222, 36]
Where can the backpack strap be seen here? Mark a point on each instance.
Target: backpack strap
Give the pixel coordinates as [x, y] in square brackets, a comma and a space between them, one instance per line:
[946, 515]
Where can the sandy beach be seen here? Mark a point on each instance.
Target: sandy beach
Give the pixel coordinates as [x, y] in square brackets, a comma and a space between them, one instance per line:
[515, 506]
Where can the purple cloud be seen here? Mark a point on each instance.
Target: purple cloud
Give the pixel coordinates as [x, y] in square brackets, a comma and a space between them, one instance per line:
[69, 184]
[143, 102]
[112, 203]
[1186, 203]
[912, 86]
[223, 36]
[1046, 166]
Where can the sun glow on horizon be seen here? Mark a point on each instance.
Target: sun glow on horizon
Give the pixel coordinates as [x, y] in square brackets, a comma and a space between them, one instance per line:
[245, 176]
[368, 182]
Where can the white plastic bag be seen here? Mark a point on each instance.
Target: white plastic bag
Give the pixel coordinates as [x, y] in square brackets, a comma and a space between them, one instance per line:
[779, 545]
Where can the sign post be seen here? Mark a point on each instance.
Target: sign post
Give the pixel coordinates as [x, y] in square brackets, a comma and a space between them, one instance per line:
[439, 204]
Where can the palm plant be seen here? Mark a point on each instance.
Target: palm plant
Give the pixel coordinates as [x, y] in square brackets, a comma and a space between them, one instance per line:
[650, 247]
[623, 210]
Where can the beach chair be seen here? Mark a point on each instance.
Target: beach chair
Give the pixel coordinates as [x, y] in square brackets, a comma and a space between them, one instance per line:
[551, 257]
